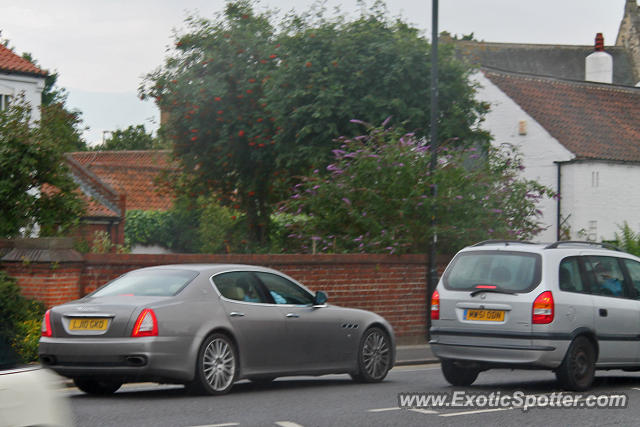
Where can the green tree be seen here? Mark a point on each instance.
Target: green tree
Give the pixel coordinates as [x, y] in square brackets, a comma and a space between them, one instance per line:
[334, 70]
[377, 198]
[250, 108]
[221, 129]
[64, 123]
[35, 186]
[131, 138]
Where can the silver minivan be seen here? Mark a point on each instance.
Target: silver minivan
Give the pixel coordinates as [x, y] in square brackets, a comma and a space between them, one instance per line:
[570, 307]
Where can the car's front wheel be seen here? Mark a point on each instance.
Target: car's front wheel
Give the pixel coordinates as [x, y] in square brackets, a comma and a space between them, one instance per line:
[97, 386]
[457, 374]
[374, 356]
[577, 370]
[216, 367]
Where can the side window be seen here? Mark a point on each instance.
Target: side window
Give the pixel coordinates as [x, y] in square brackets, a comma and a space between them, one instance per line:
[239, 286]
[284, 291]
[633, 267]
[606, 276]
[569, 277]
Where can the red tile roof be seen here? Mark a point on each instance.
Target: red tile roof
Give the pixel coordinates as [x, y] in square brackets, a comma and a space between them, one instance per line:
[135, 174]
[12, 63]
[592, 120]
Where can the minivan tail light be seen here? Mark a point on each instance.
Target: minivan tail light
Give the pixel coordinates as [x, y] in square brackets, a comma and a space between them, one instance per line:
[435, 306]
[542, 312]
[146, 324]
[46, 324]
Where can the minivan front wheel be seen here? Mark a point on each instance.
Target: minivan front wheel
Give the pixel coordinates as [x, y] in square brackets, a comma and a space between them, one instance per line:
[577, 370]
[458, 374]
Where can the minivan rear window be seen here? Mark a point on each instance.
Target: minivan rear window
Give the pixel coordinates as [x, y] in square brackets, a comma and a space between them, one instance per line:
[509, 271]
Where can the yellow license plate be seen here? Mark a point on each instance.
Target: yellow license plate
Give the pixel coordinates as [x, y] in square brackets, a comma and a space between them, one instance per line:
[88, 324]
[485, 315]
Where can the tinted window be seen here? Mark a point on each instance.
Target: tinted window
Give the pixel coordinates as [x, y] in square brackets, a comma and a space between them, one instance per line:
[513, 271]
[284, 291]
[634, 273]
[239, 286]
[606, 276]
[159, 282]
[569, 277]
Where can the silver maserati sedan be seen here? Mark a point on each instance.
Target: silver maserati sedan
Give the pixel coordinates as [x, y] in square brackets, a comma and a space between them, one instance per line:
[208, 326]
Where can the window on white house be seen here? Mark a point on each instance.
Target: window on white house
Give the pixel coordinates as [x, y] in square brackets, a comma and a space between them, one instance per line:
[5, 100]
[595, 179]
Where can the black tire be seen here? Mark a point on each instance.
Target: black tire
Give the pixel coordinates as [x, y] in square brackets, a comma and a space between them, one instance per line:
[97, 386]
[216, 367]
[374, 356]
[457, 374]
[578, 368]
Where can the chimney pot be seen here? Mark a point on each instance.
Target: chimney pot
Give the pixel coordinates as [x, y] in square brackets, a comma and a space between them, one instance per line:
[599, 43]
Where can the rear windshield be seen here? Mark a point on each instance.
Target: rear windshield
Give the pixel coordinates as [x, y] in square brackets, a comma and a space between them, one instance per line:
[510, 271]
[162, 283]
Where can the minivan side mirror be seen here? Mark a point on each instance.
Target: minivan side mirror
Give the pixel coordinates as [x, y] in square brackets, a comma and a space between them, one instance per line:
[320, 298]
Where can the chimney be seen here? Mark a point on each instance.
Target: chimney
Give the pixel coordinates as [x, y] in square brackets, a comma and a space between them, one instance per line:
[599, 64]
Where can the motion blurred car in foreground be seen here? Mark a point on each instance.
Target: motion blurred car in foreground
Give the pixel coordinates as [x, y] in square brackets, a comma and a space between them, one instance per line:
[207, 326]
[27, 393]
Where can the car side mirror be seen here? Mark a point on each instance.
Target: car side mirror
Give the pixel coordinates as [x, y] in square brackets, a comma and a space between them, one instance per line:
[320, 298]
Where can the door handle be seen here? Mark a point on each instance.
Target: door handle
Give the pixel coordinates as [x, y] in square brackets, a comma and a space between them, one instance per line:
[236, 314]
[293, 315]
[603, 312]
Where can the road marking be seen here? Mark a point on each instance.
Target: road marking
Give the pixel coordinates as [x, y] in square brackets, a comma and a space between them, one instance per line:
[287, 424]
[635, 388]
[415, 368]
[395, 408]
[219, 425]
[424, 411]
[479, 411]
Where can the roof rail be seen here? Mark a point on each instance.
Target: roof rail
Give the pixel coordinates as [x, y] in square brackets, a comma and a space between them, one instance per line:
[578, 242]
[505, 242]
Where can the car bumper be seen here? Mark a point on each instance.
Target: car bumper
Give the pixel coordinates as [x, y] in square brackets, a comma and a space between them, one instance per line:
[130, 359]
[517, 352]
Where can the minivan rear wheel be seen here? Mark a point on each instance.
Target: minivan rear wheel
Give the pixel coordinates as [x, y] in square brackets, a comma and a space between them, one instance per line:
[577, 370]
[458, 374]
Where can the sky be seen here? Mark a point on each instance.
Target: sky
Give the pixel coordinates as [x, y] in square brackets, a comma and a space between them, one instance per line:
[102, 49]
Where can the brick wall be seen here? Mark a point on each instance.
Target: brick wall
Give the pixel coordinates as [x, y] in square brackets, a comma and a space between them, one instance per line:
[390, 285]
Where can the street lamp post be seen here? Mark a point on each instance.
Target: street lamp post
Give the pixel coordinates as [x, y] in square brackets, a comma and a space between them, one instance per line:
[432, 279]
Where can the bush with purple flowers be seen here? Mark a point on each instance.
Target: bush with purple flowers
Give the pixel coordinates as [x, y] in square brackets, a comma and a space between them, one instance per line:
[376, 197]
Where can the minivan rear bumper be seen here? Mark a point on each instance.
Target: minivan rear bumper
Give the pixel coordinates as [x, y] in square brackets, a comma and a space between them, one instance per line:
[518, 350]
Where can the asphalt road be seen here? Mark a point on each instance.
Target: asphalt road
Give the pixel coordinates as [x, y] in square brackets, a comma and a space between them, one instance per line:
[337, 401]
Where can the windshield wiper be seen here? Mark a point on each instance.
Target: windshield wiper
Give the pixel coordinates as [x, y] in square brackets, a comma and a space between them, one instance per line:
[492, 290]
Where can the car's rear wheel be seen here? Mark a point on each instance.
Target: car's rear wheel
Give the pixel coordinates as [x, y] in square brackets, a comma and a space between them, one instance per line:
[97, 386]
[458, 374]
[578, 367]
[217, 366]
[374, 356]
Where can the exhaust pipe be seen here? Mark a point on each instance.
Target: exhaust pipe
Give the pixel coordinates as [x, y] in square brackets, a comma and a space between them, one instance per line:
[136, 360]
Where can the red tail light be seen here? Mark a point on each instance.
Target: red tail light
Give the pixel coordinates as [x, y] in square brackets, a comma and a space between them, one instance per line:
[146, 325]
[46, 324]
[542, 312]
[435, 306]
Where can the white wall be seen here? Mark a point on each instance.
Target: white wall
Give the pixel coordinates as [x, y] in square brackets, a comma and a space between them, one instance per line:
[31, 87]
[600, 196]
[538, 148]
